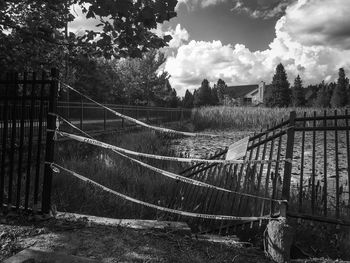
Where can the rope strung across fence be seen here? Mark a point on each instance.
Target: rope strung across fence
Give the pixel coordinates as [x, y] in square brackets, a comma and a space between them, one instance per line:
[160, 157]
[56, 168]
[170, 174]
[161, 129]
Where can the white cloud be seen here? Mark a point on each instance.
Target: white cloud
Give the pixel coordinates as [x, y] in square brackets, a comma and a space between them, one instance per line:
[319, 22]
[191, 4]
[212, 60]
[314, 61]
[265, 9]
[179, 35]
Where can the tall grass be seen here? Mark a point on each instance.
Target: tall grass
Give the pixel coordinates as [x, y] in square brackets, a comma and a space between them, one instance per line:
[117, 173]
[242, 118]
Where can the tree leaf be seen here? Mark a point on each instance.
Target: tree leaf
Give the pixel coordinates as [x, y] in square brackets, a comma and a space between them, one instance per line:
[167, 38]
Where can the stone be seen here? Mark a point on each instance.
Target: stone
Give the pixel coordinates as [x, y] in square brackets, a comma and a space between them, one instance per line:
[278, 239]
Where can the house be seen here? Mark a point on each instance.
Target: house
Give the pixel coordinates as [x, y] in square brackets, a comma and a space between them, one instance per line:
[244, 94]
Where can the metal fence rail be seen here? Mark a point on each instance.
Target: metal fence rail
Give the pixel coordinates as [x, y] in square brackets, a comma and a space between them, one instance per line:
[321, 174]
[91, 117]
[315, 183]
[264, 180]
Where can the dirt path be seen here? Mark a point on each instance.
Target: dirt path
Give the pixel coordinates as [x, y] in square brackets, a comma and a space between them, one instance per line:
[118, 244]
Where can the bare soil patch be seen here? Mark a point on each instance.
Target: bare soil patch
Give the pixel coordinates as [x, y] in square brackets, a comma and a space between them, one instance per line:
[117, 244]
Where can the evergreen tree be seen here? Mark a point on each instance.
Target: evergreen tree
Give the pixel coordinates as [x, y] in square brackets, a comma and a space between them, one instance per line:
[339, 97]
[331, 88]
[311, 95]
[323, 98]
[221, 86]
[214, 96]
[268, 96]
[172, 100]
[203, 95]
[298, 96]
[196, 101]
[278, 95]
[188, 100]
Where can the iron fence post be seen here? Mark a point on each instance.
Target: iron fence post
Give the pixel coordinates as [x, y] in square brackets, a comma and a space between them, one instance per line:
[50, 143]
[288, 162]
[4, 141]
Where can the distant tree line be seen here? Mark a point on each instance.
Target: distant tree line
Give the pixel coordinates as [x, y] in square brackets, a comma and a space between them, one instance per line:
[280, 94]
[205, 95]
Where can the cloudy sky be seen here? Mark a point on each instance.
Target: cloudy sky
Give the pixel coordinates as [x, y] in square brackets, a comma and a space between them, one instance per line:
[242, 41]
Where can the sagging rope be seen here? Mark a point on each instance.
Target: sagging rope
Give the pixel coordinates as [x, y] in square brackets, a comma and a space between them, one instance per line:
[160, 157]
[160, 208]
[165, 130]
[170, 174]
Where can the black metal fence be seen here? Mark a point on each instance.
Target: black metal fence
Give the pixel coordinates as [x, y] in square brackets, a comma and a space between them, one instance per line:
[315, 182]
[93, 118]
[27, 132]
[321, 173]
[26, 140]
[259, 179]
[311, 153]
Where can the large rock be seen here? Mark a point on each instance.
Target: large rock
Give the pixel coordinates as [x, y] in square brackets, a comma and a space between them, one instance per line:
[278, 240]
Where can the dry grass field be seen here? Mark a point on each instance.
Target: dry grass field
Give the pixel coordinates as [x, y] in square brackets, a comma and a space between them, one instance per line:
[243, 118]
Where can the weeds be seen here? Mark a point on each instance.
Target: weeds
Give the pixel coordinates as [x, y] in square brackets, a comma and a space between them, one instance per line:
[242, 118]
[114, 172]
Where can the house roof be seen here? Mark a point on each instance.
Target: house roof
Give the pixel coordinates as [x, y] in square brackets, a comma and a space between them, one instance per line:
[240, 91]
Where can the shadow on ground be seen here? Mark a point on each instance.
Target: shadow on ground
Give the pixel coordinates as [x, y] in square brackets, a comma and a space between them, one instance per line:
[117, 244]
